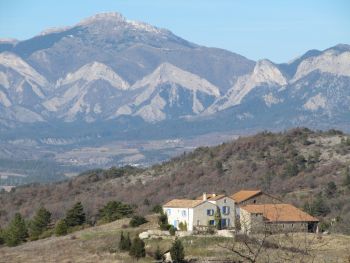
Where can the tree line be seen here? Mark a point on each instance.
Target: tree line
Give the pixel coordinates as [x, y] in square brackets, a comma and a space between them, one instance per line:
[41, 226]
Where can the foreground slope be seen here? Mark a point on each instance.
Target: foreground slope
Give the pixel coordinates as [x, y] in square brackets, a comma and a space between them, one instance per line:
[100, 244]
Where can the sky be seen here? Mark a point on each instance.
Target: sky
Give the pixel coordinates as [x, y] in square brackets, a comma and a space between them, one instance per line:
[277, 30]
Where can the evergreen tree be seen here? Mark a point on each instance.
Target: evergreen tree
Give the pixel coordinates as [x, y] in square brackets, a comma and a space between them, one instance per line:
[217, 218]
[137, 249]
[2, 241]
[177, 251]
[331, 189]
[39, 223]
[346, 181]
[137, 221]
[61, 228]
[75, 216]
[163, 221]
[16, 232]
[158, 254]
[114, 210]
[125, 242]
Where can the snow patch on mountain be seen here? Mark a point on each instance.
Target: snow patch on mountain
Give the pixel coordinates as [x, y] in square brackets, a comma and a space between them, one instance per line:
[329, 62]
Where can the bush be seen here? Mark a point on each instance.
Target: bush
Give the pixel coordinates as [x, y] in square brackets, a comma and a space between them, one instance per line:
[137, 249]
[177, 252]
[61, 228]
[75, 216]
[124, 242]
[16, 232]
[183, 226]
[114, 210]
[137, 221]
[172, 230]
[157, 209]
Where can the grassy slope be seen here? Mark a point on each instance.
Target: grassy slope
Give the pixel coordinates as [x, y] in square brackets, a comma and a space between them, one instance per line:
[96, 243]
[249, 162]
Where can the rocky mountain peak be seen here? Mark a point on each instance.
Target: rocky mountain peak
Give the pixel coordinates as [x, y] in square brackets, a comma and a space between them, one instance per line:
[267, 72]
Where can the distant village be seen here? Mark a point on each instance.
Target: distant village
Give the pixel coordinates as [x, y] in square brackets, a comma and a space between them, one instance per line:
[247, 211]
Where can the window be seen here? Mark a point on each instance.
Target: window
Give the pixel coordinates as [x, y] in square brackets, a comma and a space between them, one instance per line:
[254, 201]
[225, 200]
[183, 213]
[210, 212]
[225, 210]
[168, 212]
[211, 222]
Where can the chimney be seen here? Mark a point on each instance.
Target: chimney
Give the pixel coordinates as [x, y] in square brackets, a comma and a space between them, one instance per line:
[204, 196]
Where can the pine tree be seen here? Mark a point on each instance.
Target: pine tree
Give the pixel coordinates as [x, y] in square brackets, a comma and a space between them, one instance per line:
[158, 254]
[61, 228]
[124, 243]
[163, 221]
[75, 216]
[2, 241]
[114, 210]
[39, 223]
[16, 232]
[177, 251]
[217, 218]
[137, 249]
[346, 181]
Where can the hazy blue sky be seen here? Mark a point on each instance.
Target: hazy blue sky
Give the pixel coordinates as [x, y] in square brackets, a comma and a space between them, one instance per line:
[278, 30]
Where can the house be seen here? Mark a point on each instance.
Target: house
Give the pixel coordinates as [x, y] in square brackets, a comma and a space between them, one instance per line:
[257, 218]
[245, 197]
[201, 212]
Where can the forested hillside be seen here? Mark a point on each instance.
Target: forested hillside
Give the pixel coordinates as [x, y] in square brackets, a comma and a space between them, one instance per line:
[307, 168]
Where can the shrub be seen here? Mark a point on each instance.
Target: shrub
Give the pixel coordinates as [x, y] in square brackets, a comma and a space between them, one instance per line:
[157, 209]
[183, 226]
[177, 251]
[137, 249]
[16, 232]
[76, 215]
[137, 221]
[172, 230]
[61, 228]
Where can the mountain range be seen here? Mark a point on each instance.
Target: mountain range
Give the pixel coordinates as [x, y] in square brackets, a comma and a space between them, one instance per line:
[107, 67]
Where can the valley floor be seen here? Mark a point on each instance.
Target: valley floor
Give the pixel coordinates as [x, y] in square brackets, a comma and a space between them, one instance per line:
[100, 244]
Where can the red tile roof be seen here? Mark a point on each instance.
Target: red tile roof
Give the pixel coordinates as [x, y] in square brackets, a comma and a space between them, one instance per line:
[280, 213]
[183, 203]
[244, 195]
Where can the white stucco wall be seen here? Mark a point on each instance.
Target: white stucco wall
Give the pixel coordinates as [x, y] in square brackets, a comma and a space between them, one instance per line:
[177, 215]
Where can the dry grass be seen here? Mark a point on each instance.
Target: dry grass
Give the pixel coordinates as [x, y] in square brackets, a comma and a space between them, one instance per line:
[97, 244]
